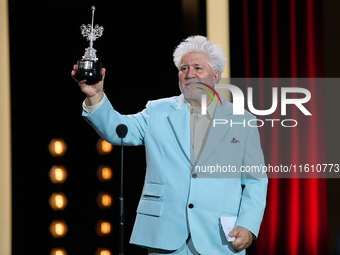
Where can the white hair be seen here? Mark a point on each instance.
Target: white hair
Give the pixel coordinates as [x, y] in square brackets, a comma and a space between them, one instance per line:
[200, 44]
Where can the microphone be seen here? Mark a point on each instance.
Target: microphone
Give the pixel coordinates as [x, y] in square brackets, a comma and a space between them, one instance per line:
[121, 130]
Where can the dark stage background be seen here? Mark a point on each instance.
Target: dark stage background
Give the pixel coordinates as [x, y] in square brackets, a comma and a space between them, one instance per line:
[45, 41]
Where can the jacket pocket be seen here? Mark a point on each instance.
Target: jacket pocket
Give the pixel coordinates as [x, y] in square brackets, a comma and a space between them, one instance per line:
[155, 190]
[228, 214]
[230, 146]
[150, 207]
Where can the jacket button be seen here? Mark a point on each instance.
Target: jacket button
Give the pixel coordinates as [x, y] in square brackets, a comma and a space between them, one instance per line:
[194, 175]
[191, 206]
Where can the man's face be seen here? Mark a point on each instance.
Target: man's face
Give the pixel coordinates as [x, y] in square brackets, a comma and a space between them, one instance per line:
[195, 68]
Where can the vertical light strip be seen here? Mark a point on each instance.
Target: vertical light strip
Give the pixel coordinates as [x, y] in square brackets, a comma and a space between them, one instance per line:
[218, 32]
[5, 134]
[204, 104]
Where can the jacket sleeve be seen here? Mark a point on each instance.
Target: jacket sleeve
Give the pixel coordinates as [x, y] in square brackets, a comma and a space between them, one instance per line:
[254, 182]
[105, 121]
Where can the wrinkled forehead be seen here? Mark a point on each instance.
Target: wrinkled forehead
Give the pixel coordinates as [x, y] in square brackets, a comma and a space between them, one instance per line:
[194, 58]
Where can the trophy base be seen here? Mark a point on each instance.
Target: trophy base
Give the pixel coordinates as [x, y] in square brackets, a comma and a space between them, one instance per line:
[89, 70]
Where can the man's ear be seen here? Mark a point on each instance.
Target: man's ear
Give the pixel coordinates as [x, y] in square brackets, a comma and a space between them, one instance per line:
[216, 75]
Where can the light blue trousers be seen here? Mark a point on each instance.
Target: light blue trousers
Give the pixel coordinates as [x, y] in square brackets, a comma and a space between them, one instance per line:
[186, 249]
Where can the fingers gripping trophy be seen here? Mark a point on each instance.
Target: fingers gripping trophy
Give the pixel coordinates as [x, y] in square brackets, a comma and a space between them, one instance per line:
[88, 67]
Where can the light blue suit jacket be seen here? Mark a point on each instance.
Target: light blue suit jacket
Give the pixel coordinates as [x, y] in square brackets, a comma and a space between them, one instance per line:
[164, 219]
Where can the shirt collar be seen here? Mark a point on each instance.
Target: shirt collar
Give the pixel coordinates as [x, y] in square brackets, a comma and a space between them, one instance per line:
[210, 109]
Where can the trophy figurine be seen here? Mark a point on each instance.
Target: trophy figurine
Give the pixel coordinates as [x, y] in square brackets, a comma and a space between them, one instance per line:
[88, 67]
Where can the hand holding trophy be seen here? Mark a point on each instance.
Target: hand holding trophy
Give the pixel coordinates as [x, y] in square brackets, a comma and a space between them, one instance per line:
[88, 67]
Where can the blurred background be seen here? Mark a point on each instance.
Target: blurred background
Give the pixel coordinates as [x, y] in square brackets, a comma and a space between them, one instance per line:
[60, 185]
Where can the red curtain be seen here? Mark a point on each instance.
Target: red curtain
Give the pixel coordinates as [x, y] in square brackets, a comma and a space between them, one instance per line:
[284, 39]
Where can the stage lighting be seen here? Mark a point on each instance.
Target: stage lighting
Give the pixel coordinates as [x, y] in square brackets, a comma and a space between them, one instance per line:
[103, 147]
[104, 200]
[104, 173]
[58, 228]
[58, 201]
[58, 174]
[103, 251]
[103, 228]
[58, 251]
[57, 147]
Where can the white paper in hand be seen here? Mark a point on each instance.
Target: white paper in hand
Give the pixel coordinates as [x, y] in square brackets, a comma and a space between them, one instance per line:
[228, 224]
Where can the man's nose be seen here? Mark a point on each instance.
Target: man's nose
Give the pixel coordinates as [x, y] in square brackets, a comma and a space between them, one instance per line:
[191, 73]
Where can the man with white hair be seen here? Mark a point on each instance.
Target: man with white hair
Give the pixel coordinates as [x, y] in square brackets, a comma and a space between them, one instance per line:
[183, 206]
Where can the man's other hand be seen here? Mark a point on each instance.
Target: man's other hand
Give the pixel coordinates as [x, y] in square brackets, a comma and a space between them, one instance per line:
[93, 91]
[243, 236]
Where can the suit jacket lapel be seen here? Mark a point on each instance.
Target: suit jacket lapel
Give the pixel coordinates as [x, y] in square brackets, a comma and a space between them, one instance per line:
[217, 133]
[179, 123]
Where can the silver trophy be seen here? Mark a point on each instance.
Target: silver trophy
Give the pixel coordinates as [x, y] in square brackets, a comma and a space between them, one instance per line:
[88, 67]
